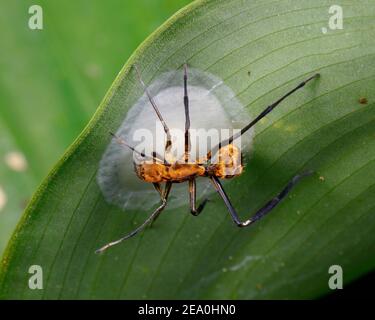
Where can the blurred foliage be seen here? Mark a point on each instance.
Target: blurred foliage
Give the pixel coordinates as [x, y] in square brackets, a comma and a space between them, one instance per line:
[51, 81]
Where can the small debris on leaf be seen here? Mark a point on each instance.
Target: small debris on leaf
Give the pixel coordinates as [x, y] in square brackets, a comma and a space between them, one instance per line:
[363, 100]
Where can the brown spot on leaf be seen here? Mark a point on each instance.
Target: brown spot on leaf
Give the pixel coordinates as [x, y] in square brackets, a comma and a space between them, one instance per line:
[363, 100]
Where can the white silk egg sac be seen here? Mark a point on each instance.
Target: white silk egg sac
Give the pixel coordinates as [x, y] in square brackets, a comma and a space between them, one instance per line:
[212, 105]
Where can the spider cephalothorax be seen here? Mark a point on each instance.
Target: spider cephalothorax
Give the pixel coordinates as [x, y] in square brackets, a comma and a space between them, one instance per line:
[166, 170]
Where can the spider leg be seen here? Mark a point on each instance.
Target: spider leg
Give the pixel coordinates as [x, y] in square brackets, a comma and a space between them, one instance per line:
[193, 199]
[122, 142]
[158, 188]
[187, 115]
[152, 102]
[144, 224]
[262, 211]
[163, 196]
[261, 115]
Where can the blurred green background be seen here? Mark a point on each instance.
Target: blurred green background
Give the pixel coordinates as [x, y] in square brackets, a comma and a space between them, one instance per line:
[48, 75]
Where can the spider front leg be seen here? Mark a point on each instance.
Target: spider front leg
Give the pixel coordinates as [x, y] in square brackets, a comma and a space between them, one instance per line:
[193, 199]
[262, 211]
[163, 197]
[149, 220]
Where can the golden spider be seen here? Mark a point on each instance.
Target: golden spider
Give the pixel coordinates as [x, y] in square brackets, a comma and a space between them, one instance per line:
[169, 170]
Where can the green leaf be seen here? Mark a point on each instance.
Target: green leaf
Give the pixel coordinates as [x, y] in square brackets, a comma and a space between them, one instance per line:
[260, 49]
[52, 80]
